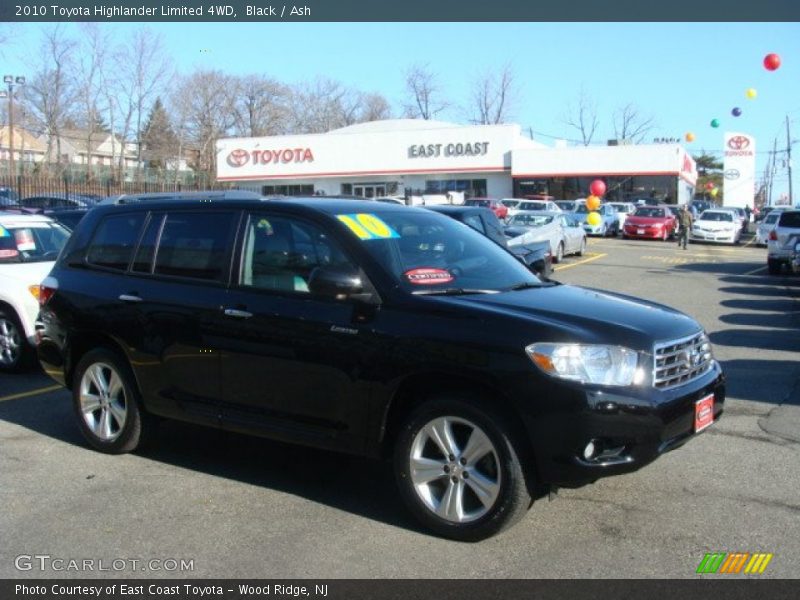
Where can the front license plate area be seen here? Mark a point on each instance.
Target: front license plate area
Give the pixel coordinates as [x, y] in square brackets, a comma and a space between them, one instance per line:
[703, 413]
[640, 232]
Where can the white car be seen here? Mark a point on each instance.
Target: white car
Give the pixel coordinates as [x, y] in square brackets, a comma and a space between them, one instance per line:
[562, 230]
[716, 225]
[541, 205]
[781, 241]
[623, 210]
[765, 226]
[29, 246]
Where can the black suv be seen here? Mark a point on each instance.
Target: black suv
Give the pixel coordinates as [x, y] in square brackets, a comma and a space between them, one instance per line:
[363, 327]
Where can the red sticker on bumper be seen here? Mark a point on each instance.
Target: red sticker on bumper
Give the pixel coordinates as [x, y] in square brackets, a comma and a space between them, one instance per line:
[703, 413]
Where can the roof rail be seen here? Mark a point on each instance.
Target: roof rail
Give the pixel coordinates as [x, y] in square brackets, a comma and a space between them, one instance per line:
[195, 195]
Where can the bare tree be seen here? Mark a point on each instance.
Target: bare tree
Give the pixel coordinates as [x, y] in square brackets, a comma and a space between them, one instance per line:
[424, 93]
[89, 74]
[325, 104]
[50, 91]
[374, 107]
[202, 101]
[583, 117]
[630, 125]
[141, 67]
[492, 95]
[262, 106]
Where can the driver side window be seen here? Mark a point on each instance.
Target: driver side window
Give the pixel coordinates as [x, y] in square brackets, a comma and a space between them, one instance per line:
[281, 252]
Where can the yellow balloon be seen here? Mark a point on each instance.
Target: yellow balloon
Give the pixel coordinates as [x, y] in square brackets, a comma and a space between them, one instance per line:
[751, 93]
[594, 219]
[714, 192]
[593, 202]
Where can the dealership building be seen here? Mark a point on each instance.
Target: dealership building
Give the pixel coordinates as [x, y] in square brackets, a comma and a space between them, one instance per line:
[412, 158]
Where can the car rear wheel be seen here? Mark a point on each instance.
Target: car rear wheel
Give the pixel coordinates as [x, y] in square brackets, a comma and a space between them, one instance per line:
[107, 404]
[582, 249]
[16, 353]
[559, 253]
[459, 469]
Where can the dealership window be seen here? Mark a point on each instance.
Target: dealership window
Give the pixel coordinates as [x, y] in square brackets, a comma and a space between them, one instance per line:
[371, 189]
[287, 190]
[470, 187]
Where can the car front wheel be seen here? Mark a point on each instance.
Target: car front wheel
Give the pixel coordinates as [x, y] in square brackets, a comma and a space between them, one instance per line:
[459, 470]
[107, 405]
[15, 352]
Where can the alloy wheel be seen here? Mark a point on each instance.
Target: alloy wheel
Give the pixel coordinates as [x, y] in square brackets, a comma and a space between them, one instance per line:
[455, 469]
[103, 401]
[10, 342]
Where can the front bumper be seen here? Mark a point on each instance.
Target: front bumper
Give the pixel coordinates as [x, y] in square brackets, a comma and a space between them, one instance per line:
[630, 429]
[713, 236]
[646, 233]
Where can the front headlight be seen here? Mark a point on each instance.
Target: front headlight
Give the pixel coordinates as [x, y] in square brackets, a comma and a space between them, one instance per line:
[598, 364]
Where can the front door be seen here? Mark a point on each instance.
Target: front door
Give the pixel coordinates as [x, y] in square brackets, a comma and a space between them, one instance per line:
[291, 360]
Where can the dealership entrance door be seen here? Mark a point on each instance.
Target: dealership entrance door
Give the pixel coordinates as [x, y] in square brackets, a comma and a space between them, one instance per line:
[369, 191]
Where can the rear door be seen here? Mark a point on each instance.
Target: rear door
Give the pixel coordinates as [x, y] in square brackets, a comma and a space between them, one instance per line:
[175, 289]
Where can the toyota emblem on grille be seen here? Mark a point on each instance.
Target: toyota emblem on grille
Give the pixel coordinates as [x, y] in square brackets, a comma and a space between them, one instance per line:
[695, 358]
[738, 142]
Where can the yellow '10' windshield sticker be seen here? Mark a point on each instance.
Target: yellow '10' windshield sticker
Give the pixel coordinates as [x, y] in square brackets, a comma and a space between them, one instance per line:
[368, 227]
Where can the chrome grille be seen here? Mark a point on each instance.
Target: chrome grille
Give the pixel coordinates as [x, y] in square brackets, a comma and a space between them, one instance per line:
[680, 361]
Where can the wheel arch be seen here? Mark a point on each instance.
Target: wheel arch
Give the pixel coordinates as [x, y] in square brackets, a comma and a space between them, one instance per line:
[84, 342]
[416, 389]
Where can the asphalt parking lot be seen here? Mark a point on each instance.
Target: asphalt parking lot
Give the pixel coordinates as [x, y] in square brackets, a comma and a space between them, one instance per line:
[245, 507]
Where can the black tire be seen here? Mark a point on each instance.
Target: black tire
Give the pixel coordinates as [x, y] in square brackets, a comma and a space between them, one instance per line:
[137, 426]
[582, 250]
[500, 470]
[774, 266]
[16, 354]
[559, 253]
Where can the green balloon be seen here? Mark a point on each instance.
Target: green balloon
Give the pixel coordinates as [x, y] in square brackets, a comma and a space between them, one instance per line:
[715, 122]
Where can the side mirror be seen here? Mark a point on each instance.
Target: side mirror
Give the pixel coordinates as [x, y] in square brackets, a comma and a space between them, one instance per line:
[335, 282]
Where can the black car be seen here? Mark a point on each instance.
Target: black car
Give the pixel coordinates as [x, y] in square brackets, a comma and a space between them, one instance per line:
[362, 327]
[536, 256]
[60, 200]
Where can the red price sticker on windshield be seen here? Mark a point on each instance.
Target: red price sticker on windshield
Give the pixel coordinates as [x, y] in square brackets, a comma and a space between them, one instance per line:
[428, 276]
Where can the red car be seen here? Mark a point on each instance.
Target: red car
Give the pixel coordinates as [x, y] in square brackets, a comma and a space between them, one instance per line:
[498, 208]
[653, 222]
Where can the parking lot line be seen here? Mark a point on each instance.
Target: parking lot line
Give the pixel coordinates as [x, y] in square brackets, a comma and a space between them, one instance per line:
[754, 271]
[580, 262]
[44, 390]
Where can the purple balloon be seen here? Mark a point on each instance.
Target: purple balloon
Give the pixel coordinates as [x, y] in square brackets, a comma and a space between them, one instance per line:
[737, 112]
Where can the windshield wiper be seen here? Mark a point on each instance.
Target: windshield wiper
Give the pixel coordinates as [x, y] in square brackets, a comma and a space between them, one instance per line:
[452, 292]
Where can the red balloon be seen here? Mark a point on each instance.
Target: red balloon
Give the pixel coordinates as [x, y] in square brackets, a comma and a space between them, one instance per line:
[772, 62]
[597, 187]
[709, 186]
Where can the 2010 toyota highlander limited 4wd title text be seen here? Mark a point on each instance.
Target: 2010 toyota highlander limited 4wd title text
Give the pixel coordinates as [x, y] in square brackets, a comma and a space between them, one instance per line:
[374, 329]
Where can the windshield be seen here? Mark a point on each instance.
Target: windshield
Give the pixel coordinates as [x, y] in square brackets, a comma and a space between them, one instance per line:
[533, 205]
[623, 208]
[31, 241]
[429, 253]
[566, 205]
[530, 220]
[482, 203]
[651, 213]
[510, 203]
[716, 216]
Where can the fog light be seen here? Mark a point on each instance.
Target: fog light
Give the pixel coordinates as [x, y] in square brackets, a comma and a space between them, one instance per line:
[589, 451]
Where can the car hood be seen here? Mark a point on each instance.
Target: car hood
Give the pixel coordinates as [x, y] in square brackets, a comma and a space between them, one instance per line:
[715, 225]
[576, 314]
[29, 273]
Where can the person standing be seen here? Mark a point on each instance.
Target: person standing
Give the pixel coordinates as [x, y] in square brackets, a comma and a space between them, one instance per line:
[685, 220]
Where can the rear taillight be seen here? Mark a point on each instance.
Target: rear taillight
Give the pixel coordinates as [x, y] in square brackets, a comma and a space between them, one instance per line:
[45, 290]
[773, 236]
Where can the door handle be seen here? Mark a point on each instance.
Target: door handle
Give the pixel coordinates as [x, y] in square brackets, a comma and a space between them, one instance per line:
[129, 298]
[239, 314]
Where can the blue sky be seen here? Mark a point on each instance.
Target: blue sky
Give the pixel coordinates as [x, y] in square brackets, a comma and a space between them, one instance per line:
[681, 74]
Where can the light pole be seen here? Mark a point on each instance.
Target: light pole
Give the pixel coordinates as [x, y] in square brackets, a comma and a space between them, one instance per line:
[11, 81]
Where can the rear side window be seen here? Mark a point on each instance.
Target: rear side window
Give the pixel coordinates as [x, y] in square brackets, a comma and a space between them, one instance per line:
[195, 245]
[790, 219]
[114, 240]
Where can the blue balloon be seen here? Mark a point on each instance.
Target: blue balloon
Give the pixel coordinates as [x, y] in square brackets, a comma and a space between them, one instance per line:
[737, 112]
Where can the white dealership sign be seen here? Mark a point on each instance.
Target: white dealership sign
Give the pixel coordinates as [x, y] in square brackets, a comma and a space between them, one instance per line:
[739, 169]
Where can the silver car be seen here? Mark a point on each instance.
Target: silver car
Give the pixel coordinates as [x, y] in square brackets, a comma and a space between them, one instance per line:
[563, 230]
[765, 226]
[779, 248]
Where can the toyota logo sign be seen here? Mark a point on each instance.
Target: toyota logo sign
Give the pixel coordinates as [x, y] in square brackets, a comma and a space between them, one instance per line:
[238, 157]
[738, 142]
[732, 174]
